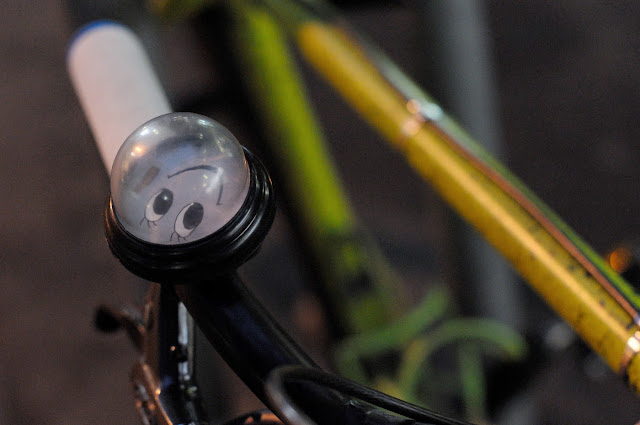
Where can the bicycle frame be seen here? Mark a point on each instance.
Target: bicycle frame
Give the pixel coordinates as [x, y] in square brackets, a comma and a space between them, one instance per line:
[572, 278]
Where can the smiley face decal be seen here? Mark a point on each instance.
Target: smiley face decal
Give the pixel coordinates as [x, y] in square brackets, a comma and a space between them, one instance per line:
[177, 179]
[190, 215]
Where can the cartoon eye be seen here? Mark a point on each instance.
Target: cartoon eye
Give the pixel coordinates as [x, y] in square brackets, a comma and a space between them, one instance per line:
[188, 219]
[158, 205]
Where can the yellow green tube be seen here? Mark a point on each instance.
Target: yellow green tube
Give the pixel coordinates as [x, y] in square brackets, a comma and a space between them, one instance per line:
[536, 253]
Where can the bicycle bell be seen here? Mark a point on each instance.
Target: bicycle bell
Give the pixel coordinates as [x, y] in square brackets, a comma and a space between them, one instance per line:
[187, 201]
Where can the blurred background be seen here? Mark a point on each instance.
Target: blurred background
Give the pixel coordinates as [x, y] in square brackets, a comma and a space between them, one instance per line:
[567, 96]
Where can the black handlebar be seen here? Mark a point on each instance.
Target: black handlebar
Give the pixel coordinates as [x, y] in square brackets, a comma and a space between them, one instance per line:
[254, 345]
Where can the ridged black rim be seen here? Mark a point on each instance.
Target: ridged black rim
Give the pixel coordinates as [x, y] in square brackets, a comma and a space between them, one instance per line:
[223, 251]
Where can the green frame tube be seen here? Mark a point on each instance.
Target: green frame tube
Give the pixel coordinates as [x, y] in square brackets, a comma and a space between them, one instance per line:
[345, 252]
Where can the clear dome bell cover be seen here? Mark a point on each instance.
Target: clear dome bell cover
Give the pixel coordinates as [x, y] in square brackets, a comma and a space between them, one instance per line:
[178, 178]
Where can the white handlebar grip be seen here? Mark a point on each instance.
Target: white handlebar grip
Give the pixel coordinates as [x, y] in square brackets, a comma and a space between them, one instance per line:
[116, 84]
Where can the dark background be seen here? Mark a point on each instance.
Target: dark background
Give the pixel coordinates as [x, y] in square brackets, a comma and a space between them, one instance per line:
[569, 89]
